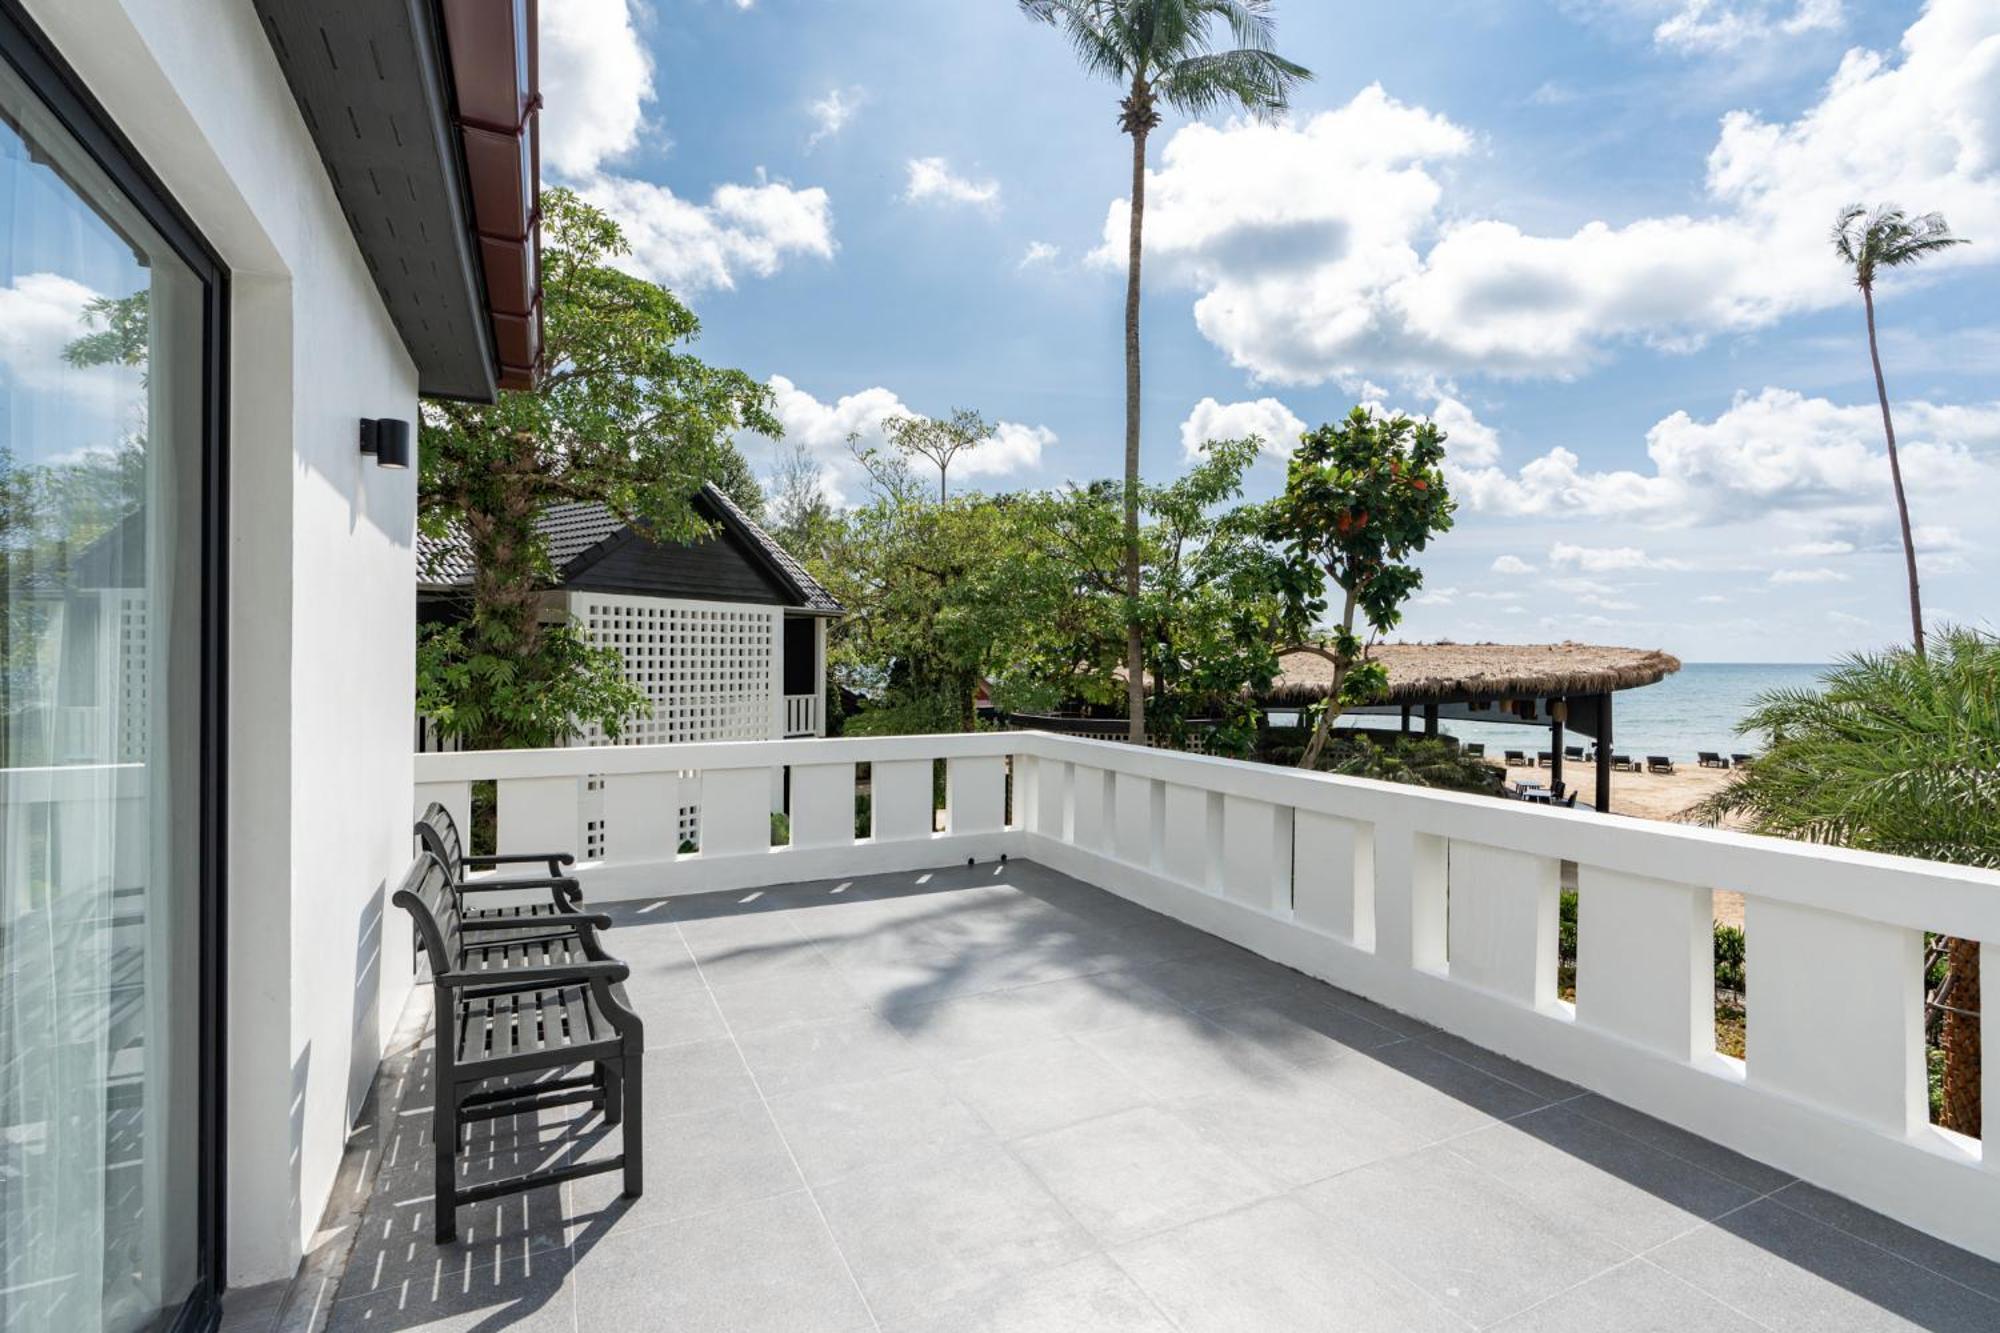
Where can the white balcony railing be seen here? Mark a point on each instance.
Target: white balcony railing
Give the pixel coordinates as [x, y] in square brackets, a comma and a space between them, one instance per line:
[1440, 905]
[802, 715]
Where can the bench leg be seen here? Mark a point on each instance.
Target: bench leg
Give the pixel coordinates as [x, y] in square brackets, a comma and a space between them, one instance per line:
[611, 1079]
[634, 1112]
[444, 1143]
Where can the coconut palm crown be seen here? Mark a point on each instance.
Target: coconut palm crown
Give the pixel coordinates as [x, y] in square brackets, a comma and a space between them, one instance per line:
[1196, 56]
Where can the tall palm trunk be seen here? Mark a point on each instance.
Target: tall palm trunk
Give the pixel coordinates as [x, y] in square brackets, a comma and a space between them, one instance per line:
[1896, 475]
[1959, 1038]
[1138, 113]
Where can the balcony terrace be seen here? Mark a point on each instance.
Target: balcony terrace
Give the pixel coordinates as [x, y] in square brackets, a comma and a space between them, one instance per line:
[1216, 1046]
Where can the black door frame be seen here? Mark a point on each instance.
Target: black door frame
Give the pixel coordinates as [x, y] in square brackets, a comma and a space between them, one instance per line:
[42, 68]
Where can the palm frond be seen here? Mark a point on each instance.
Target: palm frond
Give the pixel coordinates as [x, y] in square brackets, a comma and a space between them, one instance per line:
[1259, 81]
[1098, 31]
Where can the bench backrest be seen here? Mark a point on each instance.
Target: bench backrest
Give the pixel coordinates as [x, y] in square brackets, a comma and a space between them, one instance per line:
[428, 896]
[438, 832]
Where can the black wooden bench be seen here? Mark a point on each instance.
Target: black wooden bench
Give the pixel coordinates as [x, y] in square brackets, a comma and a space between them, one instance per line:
[438, 832]
[512, 1002]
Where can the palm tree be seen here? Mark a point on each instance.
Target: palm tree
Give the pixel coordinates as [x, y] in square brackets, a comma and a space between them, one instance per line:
[1893, 752]
[1165, 51]
[1867, 241]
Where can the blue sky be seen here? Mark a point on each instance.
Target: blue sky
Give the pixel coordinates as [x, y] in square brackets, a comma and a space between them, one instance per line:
[1587, 235]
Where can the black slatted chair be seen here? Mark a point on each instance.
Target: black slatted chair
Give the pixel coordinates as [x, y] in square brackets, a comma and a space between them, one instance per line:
[438, 832]
[512, 1004]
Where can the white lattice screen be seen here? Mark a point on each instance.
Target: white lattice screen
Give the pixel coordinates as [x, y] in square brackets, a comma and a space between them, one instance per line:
[710, 669]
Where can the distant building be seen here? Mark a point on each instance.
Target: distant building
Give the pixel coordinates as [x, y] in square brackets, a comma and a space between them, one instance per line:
[726, 635]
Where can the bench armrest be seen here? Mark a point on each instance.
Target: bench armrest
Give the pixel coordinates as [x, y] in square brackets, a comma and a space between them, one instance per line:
[523, 978]
[566, 926]
[566, 886]
[555, 860]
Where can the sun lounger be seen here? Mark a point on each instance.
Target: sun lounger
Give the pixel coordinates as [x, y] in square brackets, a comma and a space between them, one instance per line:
[1475, 750]
[1517, 758]
[1710, 759]
[1659, 763]
[1573, 752]
[1742, 760]
[1544, 759]
[1623, 762]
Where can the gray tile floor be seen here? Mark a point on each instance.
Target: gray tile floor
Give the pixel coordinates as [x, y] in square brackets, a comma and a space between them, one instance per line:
[994, 1098]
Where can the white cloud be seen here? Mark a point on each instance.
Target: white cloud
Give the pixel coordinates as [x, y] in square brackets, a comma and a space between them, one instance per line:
[824, 429]
[1778, 451]
[1798, 576]
[1039, 252]
[832, 113]
[1712, 599]
[1305, 239]
[932, 179]
[1266, 418]
[1720, 25]
[1011, 448]
[1512, 564]
[751, 229]
[1605, 559]
[596, 78]
[1435, 597]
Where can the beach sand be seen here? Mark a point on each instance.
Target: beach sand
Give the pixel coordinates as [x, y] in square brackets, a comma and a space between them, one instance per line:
[1649, 796]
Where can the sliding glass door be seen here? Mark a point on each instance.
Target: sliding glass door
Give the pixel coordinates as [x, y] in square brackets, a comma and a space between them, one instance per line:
[104, 346]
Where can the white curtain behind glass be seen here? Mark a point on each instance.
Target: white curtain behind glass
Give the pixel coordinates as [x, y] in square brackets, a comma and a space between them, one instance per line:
[94, 967]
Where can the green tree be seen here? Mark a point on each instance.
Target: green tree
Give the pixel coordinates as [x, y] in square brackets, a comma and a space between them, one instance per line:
[1197, 56]
[938, 440]
[1894, 752]
[1869, 242]
[625, 416]
[1361, 497]
[941, 597]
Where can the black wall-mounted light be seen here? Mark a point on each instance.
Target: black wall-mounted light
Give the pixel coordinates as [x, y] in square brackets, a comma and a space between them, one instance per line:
[387, 440]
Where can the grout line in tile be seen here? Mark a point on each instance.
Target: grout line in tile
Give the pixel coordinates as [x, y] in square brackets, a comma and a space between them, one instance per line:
[764, 1104]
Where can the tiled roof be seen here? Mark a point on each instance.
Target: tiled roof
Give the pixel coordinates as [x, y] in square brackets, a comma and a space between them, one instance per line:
[576, 528]
[812, 596]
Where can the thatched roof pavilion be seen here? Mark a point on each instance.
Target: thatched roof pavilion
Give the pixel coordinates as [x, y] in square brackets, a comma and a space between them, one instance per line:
[1421, 673]
[1554, 684]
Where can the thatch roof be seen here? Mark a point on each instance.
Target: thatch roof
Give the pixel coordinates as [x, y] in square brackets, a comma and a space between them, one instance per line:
[1427, 672]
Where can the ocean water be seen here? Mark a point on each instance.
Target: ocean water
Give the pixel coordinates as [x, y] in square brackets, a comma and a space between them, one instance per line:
[1697, 708]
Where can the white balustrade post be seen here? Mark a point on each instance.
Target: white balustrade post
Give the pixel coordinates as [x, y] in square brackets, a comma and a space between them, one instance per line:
[1502, 928]
[1410, 877]
[822, 805]
[900, 796]
[1089, 810]
[1645, 961]
[1132, 821]
[1257, 853]
[975, 799]
[642, 816]
[1050, 798]
[539, 815]
[735, 811]
[1333, 876]
[1989, 1044]
[1835, 1012]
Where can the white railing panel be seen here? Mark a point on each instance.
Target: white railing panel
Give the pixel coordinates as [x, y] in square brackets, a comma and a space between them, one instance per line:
[1502, 932]
[1089, 812]
[1989, 1044]
[539, 815]
[1048, 797]
[1835, 1012]
[975, 799]
[735, 811]
[822, 805]
[1645, 961]
[1191, 836]
[1132, 820]
[1257, 853]
[1333, 877]
[642, 816]
[901, 799]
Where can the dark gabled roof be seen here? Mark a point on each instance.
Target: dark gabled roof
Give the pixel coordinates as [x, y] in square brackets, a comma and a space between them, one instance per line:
[812, 596]
[581, 534]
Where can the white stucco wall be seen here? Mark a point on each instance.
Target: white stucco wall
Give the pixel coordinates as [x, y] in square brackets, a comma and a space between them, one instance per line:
[321, 622]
